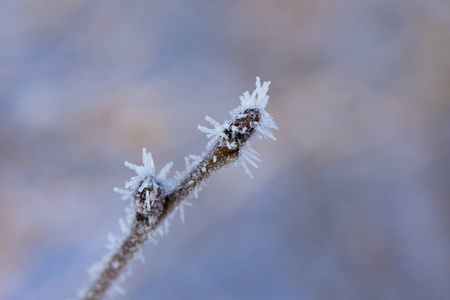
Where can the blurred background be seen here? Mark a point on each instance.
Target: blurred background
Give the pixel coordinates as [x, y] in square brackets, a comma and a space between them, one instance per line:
[351, 202]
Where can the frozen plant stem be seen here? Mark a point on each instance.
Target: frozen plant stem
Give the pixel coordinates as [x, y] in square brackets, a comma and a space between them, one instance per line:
[155, 199]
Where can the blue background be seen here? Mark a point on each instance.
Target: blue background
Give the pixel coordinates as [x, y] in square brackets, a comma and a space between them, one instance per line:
[351, 202]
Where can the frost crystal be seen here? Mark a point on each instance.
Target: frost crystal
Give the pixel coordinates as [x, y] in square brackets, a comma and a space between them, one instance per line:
[250, 155]
[215, 132]
[181, 209]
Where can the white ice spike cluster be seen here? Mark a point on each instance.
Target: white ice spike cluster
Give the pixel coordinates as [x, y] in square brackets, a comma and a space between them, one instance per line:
[146, 172]
[257, 100]
[146, 185]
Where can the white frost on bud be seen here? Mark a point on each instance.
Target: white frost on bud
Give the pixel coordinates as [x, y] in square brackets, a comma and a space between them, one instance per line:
[145, 179]
[258, 99]
[145, 172]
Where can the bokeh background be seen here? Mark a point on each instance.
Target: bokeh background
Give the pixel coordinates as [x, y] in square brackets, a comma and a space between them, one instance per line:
[351, 202]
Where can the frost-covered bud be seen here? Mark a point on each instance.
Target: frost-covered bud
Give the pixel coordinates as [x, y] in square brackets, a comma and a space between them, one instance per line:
[148, 198]
[230, 140]
[146, 189]
[243, 126]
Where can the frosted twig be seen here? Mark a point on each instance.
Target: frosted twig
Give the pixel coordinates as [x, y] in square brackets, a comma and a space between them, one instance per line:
[155, 198]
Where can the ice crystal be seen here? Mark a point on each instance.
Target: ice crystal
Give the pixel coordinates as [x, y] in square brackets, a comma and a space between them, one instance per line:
[213, 133]
[181, 209]
[250, 155]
